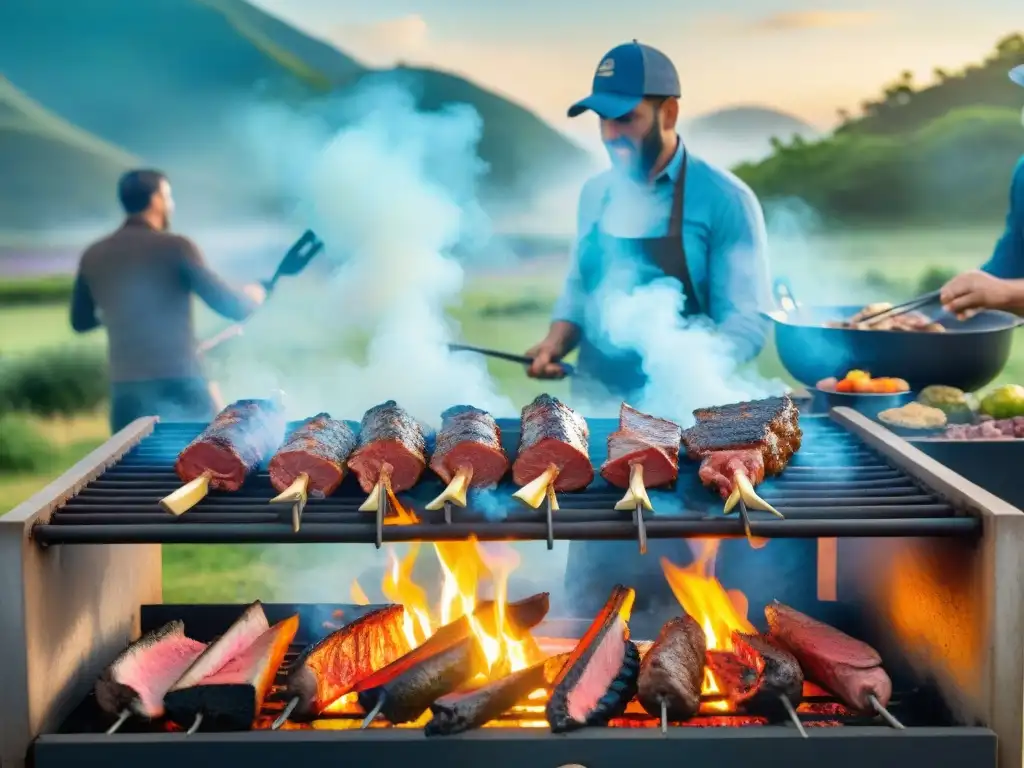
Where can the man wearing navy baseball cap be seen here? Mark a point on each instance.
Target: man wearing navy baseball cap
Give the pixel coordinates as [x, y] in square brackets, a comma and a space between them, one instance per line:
[999, 284]
[659, 211]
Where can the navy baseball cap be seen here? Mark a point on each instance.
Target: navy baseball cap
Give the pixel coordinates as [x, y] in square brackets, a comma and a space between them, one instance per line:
[1017, 74]
[624, 77]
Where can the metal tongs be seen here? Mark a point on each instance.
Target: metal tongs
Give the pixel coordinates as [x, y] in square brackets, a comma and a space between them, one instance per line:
[512, 358]
[901, 309]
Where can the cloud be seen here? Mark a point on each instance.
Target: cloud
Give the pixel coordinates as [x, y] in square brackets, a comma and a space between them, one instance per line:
[816, 20]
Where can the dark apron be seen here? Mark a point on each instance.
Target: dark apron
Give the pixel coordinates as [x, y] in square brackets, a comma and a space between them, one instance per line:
[595, 567]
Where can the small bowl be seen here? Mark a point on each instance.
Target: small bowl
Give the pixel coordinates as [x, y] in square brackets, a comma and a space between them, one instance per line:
[869, 404]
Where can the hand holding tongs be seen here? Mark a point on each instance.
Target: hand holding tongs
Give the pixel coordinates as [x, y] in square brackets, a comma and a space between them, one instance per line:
[524, 359]
[901, 309]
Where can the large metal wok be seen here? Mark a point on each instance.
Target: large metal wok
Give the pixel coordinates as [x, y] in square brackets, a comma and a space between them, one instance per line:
[968, 356]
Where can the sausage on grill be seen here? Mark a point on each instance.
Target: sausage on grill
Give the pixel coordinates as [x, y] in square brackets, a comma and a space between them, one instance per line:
[672, 672]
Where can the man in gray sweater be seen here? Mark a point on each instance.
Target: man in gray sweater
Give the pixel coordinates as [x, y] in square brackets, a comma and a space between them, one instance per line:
[138, 282]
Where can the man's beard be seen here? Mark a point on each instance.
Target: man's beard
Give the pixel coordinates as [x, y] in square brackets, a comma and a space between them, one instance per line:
[641, 160]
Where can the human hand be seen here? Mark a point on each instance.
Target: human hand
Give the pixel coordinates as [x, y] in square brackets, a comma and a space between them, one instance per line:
[966, 294]
[545, 363]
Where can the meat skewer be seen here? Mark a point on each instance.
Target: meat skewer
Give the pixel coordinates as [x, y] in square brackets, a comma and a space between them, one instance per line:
[467, 453]
[389, 458]
[311, 462]
[238, 439]
[464, 711]
[137, 680]
[740, 444]
[329, 669]
[850, 669]
[773, 684]
[553, 452]
[600, 676]
[672, 671]
[232, 697]
[444, 662]
[642, 453]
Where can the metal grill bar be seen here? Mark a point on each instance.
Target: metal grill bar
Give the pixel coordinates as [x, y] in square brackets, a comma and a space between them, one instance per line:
[835, 486]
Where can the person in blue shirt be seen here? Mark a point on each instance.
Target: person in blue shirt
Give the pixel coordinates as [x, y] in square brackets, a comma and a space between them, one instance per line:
[660, 211]
[999, 284]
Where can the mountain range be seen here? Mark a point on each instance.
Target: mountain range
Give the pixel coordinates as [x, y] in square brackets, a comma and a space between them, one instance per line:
[93, 87]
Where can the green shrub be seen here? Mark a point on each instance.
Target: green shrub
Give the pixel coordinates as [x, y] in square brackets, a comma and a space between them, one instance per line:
[22, 447]
[62, 381]
[49, 289]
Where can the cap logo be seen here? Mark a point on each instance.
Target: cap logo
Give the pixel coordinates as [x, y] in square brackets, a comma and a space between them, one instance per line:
[606, 68]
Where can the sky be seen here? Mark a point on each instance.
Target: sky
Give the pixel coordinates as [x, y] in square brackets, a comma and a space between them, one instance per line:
[806, 58]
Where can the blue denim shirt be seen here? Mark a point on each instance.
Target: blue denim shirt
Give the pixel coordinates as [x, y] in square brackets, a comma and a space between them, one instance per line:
[1008, 258]
[723, 235]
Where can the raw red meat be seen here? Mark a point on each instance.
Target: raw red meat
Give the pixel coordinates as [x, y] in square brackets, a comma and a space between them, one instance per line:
[388, 435]
[239, 636]
[646, 440]
[469, 438]
[718, 469]
[553, 434]
[850, 669]
[239, 438]
[141, 674]
[319, 449]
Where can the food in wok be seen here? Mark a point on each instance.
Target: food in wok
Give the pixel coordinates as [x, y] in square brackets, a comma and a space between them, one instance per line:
[908, 321]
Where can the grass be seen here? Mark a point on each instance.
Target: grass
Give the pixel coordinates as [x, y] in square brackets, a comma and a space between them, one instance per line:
[510, 312]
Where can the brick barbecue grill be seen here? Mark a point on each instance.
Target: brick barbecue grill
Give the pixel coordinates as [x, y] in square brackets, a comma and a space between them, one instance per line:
[923, 565]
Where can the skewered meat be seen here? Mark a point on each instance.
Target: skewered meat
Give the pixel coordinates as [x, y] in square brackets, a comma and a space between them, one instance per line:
[141, 674]
[318, 449]
[645, 440]
[389, 437]
[327, 670]
[771, 674]
[246, 629]
[236, 441]
[407, 695]
[600, 677]
[756, 439]
[469, 437]
[672, 671]
[553, 443]
[466, 710]
[850, 669]
[231, 698]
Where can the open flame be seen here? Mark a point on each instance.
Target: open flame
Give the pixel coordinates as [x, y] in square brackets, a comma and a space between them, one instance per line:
[718, 611]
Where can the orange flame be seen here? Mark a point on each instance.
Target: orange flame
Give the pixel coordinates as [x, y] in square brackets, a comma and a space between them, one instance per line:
[719, 612]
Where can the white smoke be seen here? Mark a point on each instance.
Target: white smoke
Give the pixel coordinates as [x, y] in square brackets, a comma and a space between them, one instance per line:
[390, 194]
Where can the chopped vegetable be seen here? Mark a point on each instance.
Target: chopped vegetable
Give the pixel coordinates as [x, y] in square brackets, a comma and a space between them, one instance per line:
[914, 416]
[1004, 402]
[860, 382]
[958, 406]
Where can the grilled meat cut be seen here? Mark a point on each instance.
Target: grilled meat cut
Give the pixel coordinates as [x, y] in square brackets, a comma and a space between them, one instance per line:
[238, 439]
[600, 676]
[246, 629]
[231, 698]
[672, 671]
[756, 438]
[770, 675]
[329, 669]
[646, 440]
[850, 669]
[553, 435]
[407, 695]
[466, 710]
[389, 436]
[469, 438]
[143, 672]
[318, 449]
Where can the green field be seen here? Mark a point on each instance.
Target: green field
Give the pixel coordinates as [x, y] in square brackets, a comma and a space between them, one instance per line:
[507, 312]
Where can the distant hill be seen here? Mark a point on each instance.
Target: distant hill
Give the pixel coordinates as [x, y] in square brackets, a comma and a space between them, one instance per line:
[52, 172]
[941, 154]
[742, 134]
[167, 79]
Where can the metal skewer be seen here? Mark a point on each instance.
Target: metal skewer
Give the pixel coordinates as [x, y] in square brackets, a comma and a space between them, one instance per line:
[373, 713]
[195, 724]
[793, 715]
[448, 513]
[285, 713]
[641, 530]
[745, 517]
[382, 508]
[548, 513]
[121, 720]
[297, 509]
[664, 716]
[885, 713]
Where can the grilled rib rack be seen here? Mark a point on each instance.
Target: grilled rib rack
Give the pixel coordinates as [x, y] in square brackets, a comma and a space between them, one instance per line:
[837, 485]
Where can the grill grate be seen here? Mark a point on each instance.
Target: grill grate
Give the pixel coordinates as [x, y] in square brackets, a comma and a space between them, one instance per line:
[834, 486]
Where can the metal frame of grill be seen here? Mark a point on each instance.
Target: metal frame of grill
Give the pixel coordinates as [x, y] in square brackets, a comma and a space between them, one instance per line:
[953, 606]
